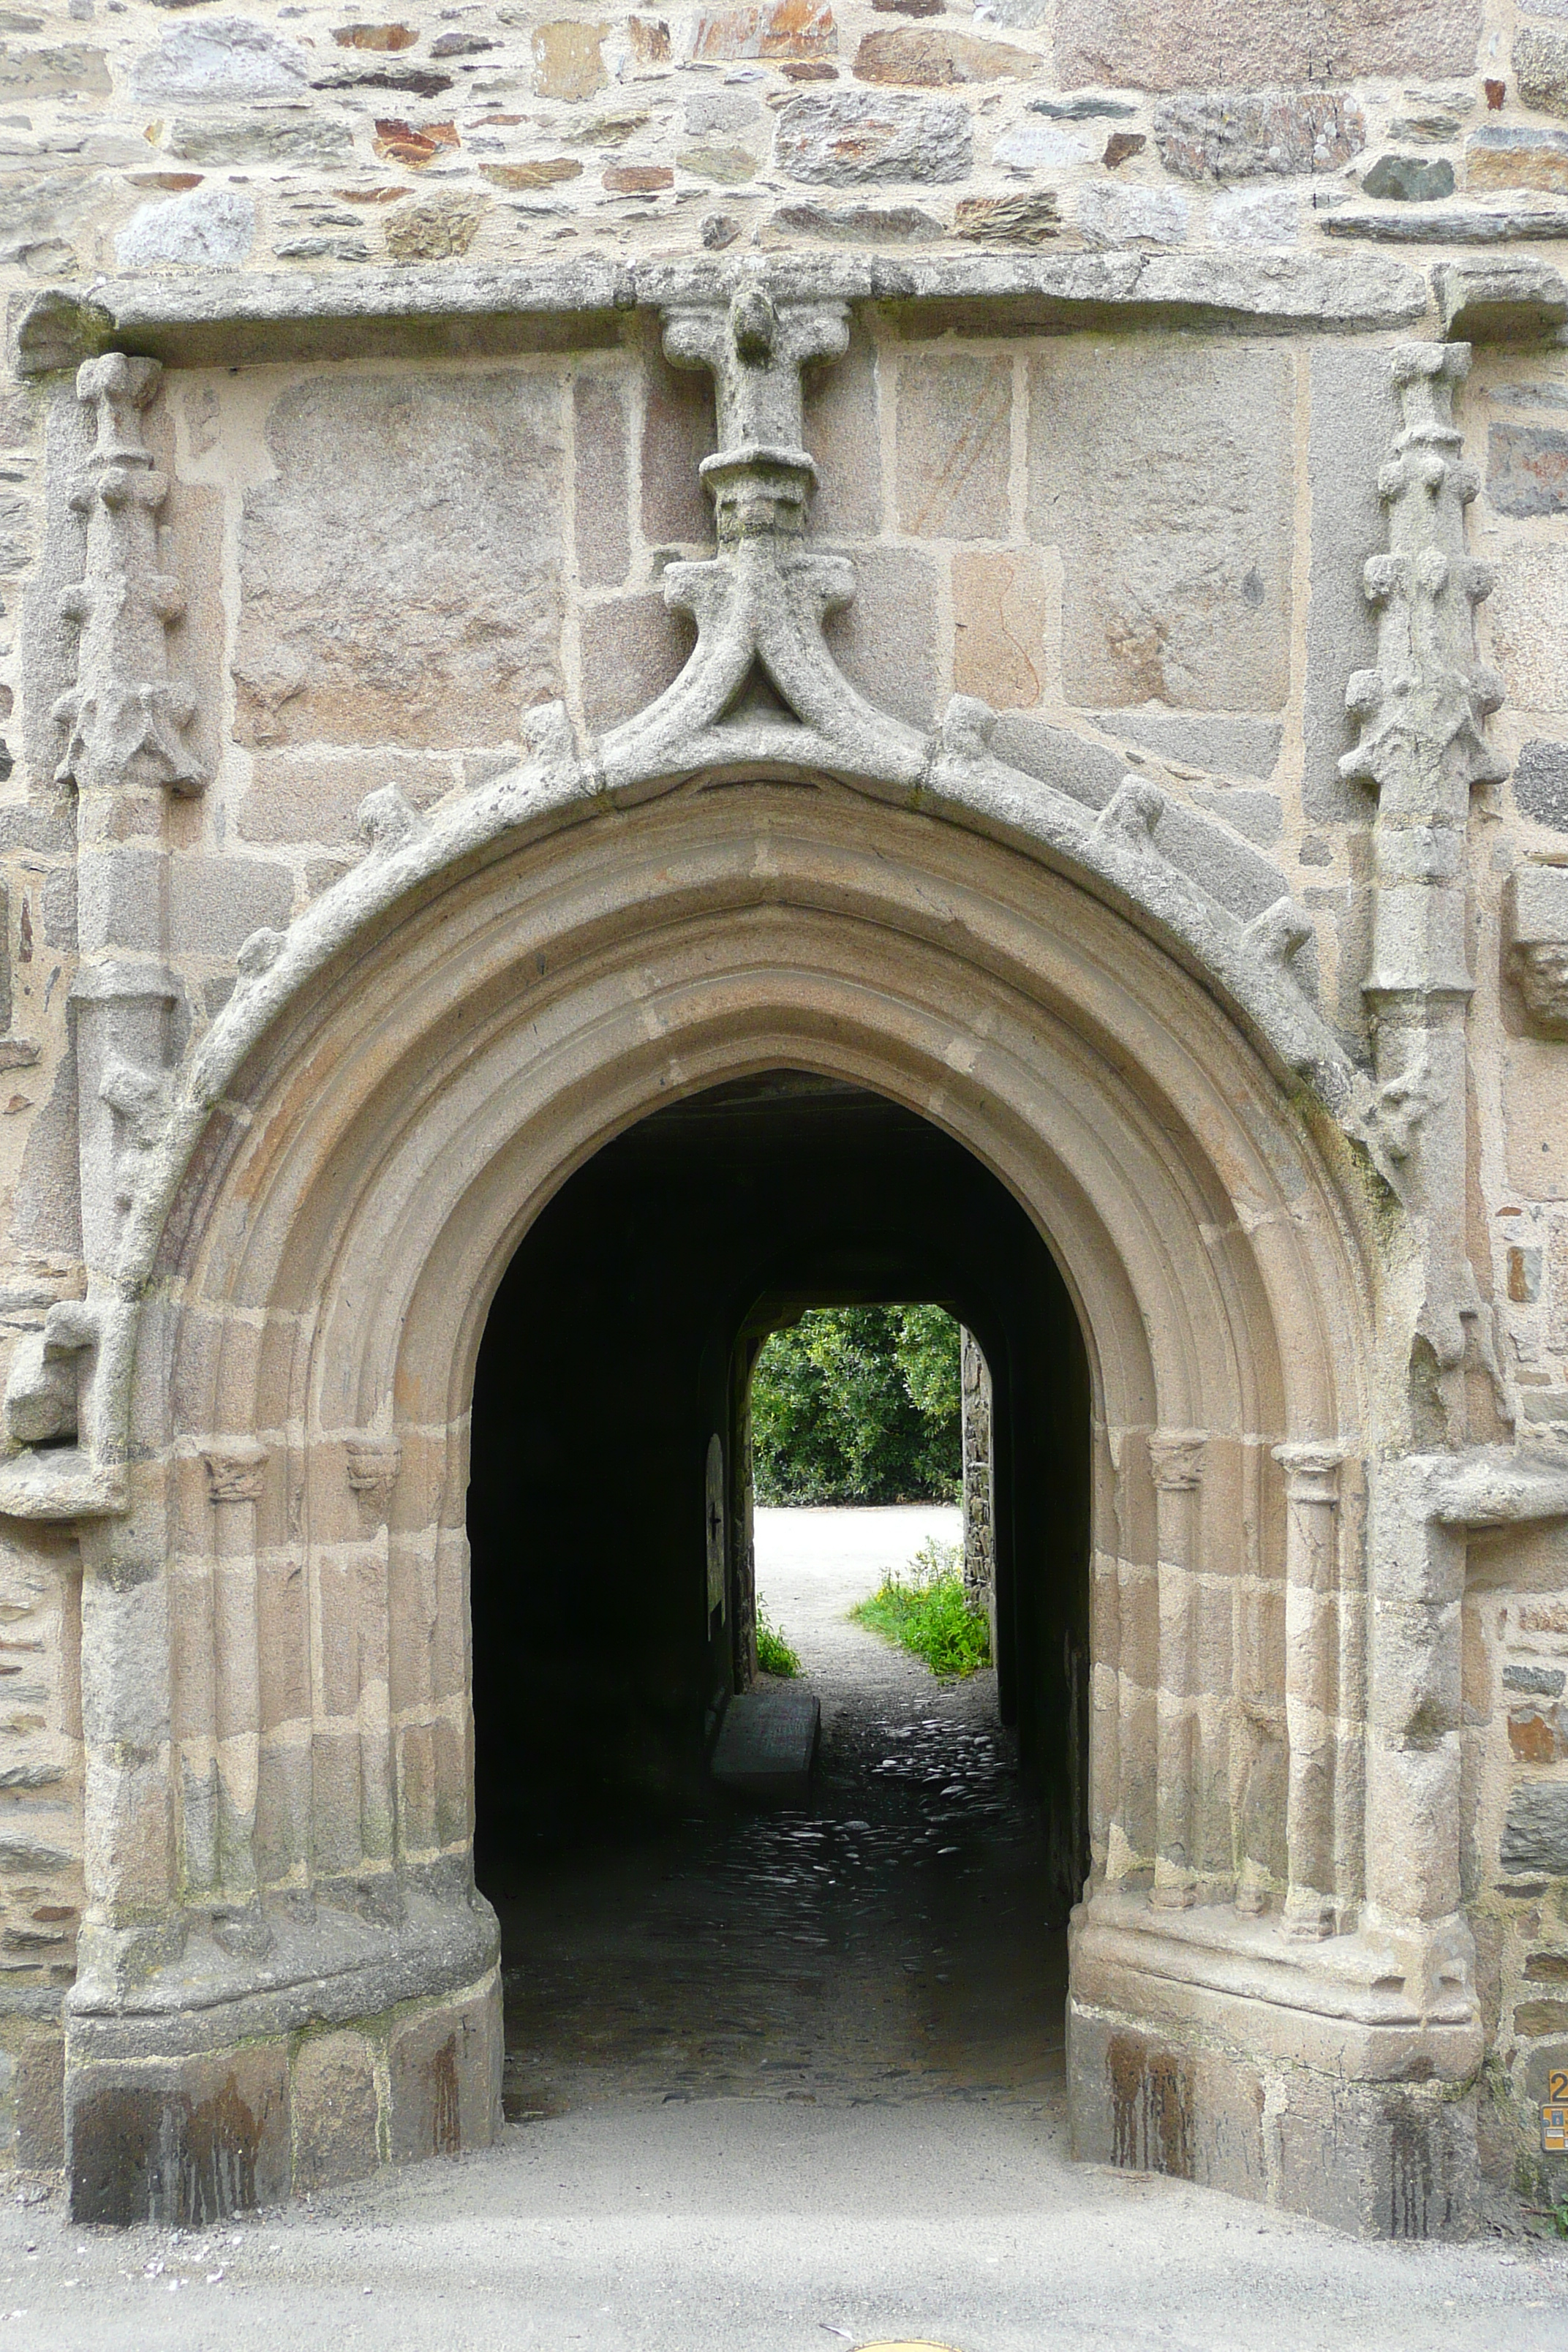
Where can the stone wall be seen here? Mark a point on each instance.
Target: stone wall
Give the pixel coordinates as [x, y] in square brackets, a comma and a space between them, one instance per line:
[1105, 447]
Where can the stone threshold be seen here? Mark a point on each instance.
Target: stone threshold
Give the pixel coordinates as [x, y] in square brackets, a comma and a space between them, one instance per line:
[254, 319]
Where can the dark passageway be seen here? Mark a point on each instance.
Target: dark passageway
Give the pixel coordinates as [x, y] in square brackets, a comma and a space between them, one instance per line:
[946, 1828]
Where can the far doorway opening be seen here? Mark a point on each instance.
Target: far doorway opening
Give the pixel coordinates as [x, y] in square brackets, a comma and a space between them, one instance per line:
[899, 1923]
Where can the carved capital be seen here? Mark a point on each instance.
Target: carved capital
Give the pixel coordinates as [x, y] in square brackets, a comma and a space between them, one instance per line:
[235, 1472]
[372, 1464]
[1177, 1459]
[1312, 1471]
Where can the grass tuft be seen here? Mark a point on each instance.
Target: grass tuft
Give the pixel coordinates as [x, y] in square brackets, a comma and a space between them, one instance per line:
[774, 1656]
[928, 1611]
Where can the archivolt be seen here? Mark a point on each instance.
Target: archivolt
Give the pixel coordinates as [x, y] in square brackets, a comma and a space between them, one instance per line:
[325, 1275]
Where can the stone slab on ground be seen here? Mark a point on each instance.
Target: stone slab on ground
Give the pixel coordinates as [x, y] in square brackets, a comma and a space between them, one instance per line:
[766, 1744]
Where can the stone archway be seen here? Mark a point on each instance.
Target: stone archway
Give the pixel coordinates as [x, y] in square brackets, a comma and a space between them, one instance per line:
[257, 1415]
[303, 1854]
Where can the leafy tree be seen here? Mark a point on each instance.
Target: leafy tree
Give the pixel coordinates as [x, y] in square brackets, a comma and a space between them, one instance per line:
[858, 1404]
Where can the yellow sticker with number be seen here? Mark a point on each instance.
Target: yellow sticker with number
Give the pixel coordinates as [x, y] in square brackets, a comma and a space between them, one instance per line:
[1557, 2086]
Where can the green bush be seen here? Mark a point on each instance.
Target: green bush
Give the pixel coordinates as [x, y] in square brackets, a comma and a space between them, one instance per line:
[929, 1613]
[774, 1656]
[858, 1404]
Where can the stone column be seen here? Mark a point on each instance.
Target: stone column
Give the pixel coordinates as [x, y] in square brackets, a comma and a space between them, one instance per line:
[373, 1465]
[1175, 1457]
[233, 1485]
[1311, 1682]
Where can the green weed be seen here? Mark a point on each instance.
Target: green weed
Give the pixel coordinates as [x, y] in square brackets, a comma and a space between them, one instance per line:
[928, 1611]
[774, 1656]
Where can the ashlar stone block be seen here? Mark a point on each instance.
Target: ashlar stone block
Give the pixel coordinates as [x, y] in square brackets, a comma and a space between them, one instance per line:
[1167, 488]
[954, 425]
[1252, 44]
[353, 628]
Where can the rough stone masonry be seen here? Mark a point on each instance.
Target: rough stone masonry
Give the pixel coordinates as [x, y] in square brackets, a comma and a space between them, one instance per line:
[1016, 556]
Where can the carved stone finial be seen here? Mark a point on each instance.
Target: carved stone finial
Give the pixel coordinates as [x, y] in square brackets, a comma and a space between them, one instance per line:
[1422, 707]
[760, 477]
[125, 715]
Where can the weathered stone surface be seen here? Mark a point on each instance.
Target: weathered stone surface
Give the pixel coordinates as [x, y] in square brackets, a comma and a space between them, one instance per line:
[444, 2080]
[1538, 1735]
[1519, 157]
[678, 431]
[1231, 745]
[260, 139]
[209, 228]
[1541, 789]
[1540, 69]
[857, 136]
[189, 2146]
[1000, 616]
[439, 230]
[1547, 1682]
[859, 223]
[1121, 146]
[414, 149]
[1032, 219]
[885, 642]
[1501, 224]
[1409, 179]
[316, 796]
[1526, 469]
[841, 417]
[1169, 496]
[375, 37]
[1352, 421]
[774, 29]
[1255, 217]
[332, 2097]
[548, 172]
[568, 59]
[1527, 642]
[1022, 15]
[954, 447]
[603, 467]
[721, 111]
[728, 167]
[1535, 1833]
[1108, 216]
[69, 70]
[1538, 2017]
[1041, 147]
[638, 179]
[220, 61]
[925, 58]
[1229, 135]
[1190, 45]
[348, 633]
[1083, 110]
[632, 649]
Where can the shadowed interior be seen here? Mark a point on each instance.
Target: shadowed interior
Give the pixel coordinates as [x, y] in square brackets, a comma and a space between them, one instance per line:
[621, 1341]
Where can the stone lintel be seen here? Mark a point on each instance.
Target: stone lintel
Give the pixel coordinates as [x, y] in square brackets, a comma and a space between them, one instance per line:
[248, 318]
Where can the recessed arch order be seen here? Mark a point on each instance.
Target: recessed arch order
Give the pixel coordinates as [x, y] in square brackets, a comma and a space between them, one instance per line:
[298, 1386]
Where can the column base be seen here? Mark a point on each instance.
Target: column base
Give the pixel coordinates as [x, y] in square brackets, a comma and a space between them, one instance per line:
[184, 2111]
[1225, 2052]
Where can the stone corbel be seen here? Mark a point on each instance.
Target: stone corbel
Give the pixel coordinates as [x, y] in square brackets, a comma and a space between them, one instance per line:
[1536, 919]
[370, 1465]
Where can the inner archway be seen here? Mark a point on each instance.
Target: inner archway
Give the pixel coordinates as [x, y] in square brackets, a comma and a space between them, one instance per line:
[609, 1634]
